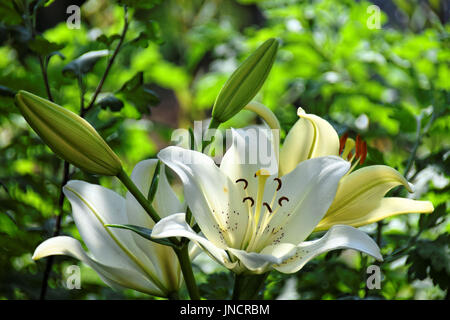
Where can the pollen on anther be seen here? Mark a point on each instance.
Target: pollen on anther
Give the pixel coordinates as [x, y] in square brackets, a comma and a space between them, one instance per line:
[342, 141]
[279, 183]
[281, 200]
[350, 155]
[249, 198]
[358, 147]
[243, 180]
[267, 206]
[363, 152]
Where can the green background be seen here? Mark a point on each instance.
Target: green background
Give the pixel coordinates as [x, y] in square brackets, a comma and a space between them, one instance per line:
[388, 84]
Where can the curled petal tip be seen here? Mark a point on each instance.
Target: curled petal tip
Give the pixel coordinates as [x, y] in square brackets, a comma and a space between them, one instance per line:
[300, 111]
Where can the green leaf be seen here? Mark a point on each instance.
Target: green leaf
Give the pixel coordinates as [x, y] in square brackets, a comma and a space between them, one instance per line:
[43, 3]
[428, 221]
[139, 4]
[111, 102]
[431, 259]
[137, 94]
[7, 92]
[9, 13]
[152, 33]
[217, 286]
[154, 183]
[43, 47]
[108, 40]
[83, 64]
[143, 232]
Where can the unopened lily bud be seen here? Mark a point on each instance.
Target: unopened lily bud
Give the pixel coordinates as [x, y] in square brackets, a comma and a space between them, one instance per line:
[245, 82]
[68, 135]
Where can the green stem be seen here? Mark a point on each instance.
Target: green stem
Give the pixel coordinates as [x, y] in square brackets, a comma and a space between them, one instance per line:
[186, 269]
[214, 124]
[247, 287]
[182, 253]
[138, 196]
[110, 63]
[173, 296]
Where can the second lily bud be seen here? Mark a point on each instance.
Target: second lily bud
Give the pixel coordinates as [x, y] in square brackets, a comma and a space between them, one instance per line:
[245, 82]
[68, 135]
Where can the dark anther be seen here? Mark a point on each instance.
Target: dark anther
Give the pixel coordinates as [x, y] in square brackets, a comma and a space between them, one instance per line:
[244, 181]
[279, 183]
[267, 206]
[281, 199]
[342, 141]
[249, 198]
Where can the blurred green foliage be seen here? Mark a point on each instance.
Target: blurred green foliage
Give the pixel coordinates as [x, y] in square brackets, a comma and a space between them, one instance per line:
[390, 85]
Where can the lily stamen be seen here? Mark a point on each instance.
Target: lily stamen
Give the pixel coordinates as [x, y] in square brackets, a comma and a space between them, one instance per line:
[279, 183]
[342, 141]
[281, 199]
[249, 198]
[267, 206]
[353, 150]
[243, 180]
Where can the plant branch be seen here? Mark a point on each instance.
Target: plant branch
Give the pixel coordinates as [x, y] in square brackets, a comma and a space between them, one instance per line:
[129, 184]
[186, 269]
[247, 287]
[181, 249]
[110, 63]
[50, 260]
[45, 76]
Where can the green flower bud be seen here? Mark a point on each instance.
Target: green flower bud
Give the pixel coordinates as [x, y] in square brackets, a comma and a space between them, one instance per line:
[68, 135]
[245, 82]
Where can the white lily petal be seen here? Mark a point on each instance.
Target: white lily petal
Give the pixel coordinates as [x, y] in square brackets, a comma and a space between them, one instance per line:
[115, 277]
[210, 194]
[261, 262]
[310, 137]
[386, 207]
[310, 189]
[251, 150]
[166, 202]
[176, 226]
[253, 261]
[92, 207]
[338, 237]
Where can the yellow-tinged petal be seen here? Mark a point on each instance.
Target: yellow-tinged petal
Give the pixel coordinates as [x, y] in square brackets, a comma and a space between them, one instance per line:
[387, 207]
[360, 194]
[310, 137]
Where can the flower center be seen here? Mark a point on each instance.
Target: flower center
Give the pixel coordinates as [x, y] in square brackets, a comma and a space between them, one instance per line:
[260, 211]
[353, 151]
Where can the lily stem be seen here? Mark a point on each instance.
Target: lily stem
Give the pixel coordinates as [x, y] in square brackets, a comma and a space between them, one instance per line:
[138, 196]
[173, 296]
[110, 63]
[186, 269]
[182, 251]
[247, 287]
[214, 124]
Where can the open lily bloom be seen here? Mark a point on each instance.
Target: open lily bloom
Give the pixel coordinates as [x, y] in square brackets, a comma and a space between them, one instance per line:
[251, 219]
[360, 196]
[120, 257]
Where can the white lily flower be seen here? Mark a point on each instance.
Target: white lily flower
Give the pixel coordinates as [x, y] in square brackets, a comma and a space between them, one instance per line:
[120, 257]
[251, 219]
